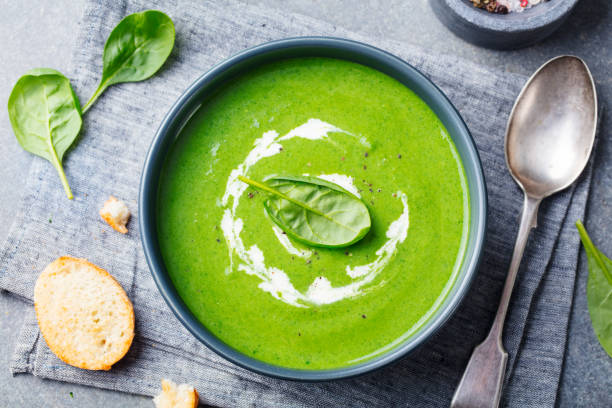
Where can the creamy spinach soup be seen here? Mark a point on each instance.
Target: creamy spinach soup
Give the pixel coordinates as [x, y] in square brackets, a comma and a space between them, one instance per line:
[283, 302]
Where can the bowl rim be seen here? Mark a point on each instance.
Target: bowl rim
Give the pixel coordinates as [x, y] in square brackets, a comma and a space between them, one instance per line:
[333, 47]
[525, 21]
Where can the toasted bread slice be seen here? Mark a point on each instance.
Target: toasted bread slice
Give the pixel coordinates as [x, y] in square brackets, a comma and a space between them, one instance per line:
[116, 214]
[176, 396]
[83, 313]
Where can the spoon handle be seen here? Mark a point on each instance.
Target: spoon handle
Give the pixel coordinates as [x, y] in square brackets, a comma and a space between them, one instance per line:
[482, 381]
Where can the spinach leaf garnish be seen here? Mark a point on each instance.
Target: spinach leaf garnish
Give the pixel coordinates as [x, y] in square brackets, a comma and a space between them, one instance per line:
[45, 116]
[599, 290]
[313, 211]
[136, 48]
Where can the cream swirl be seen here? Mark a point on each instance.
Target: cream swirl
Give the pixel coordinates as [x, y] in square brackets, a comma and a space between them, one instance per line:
[274, 280]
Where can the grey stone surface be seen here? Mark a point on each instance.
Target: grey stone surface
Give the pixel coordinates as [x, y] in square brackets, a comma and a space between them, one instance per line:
[39, 33]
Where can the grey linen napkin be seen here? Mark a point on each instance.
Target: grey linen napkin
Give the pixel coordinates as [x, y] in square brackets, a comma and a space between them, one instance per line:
[108, 159]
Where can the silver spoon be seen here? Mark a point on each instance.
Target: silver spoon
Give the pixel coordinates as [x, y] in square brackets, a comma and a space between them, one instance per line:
[549, 138]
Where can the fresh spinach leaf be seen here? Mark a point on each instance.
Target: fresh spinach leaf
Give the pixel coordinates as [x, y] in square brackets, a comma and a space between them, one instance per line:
[313, 211]
[599, 290]
[136, 48]
[46, 116]
[44, 110]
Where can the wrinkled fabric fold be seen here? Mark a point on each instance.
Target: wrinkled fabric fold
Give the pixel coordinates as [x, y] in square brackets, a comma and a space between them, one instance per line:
[108, 160]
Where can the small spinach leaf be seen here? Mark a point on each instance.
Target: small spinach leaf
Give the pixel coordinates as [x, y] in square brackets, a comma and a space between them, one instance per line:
[313, 211]
[46, 116]
[599, 290]
[136, 48]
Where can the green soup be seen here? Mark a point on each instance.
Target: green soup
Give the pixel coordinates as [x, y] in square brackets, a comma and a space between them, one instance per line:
[282, 302]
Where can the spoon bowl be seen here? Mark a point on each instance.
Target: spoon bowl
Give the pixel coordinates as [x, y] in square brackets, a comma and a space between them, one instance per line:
[552, 127]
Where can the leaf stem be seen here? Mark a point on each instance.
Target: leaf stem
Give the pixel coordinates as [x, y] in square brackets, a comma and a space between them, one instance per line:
[592, 249]
[94, 97]
[64, 180]
[60, 170]
[263, 187]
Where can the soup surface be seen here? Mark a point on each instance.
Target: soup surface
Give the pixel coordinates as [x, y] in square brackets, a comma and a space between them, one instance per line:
[277, 300]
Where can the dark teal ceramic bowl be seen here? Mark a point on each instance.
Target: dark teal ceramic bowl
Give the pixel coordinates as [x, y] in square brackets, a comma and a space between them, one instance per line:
[205, 86]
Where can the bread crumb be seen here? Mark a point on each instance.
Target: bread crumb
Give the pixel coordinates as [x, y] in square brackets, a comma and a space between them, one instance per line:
[176, 396]
[116, 214]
